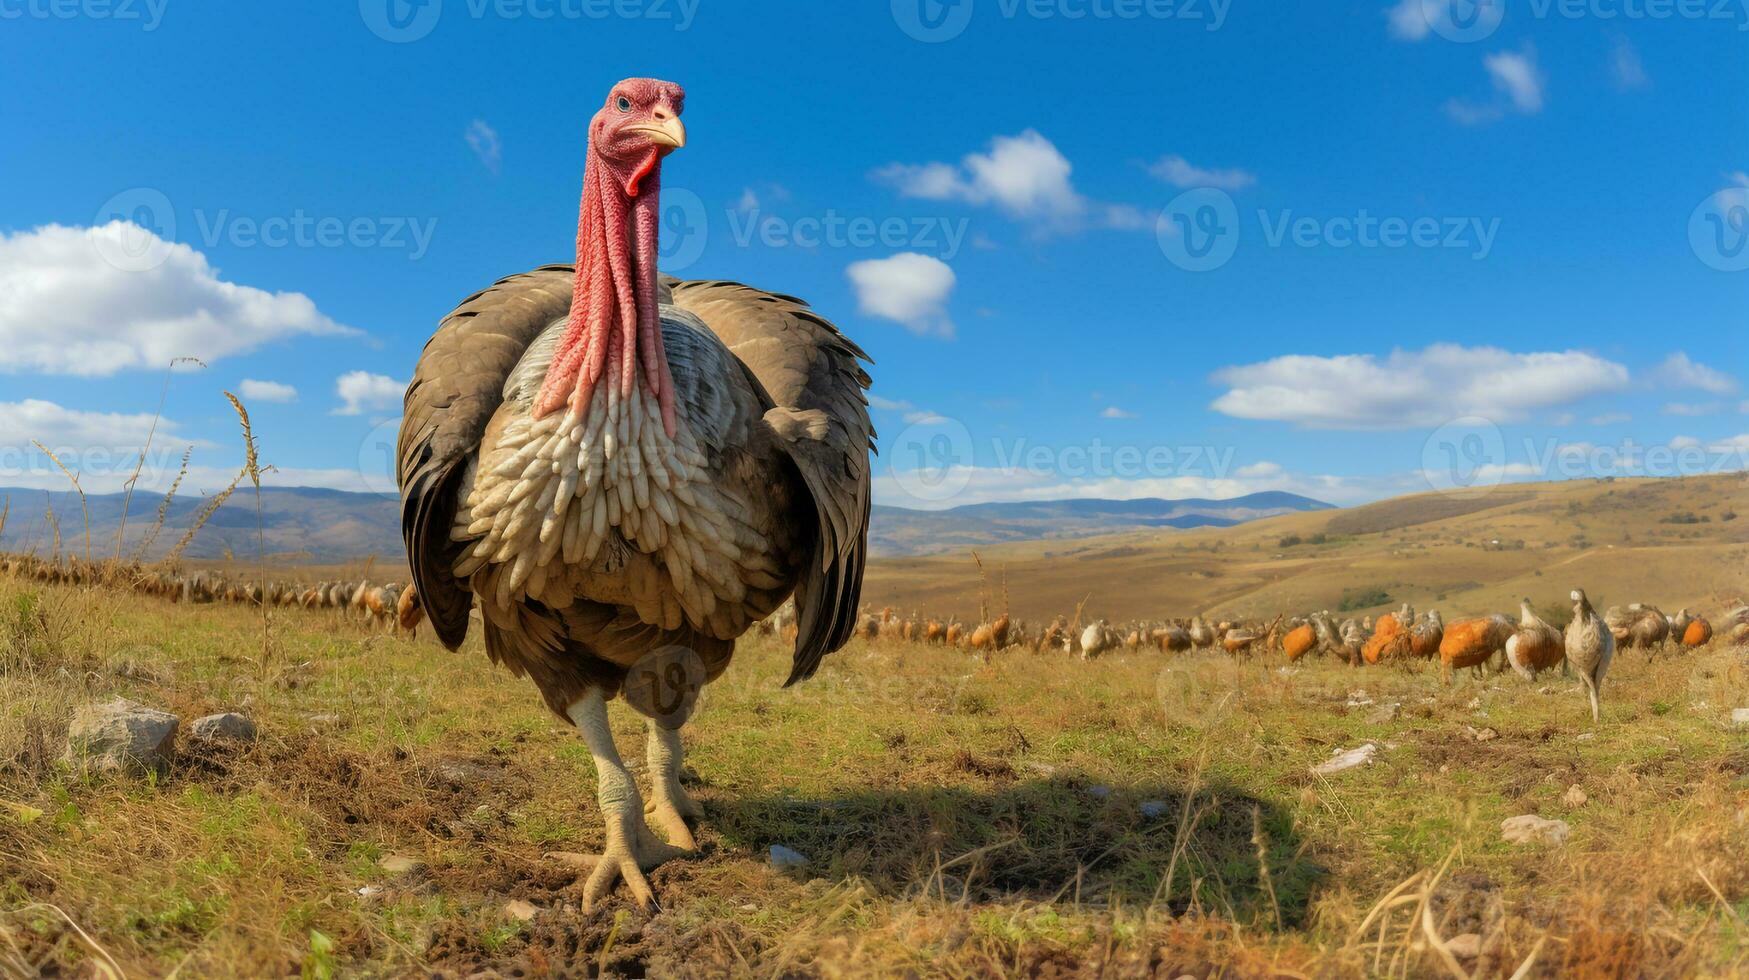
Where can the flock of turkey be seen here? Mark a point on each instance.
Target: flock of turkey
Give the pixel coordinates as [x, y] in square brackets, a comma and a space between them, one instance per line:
[1528, 645]
[386, 605]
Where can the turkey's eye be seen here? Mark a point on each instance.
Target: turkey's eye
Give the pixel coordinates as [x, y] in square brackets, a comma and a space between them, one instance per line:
[625, 104]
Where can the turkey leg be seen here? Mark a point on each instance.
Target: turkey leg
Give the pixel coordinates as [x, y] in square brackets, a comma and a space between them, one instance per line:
[631, 848]
[670, 805]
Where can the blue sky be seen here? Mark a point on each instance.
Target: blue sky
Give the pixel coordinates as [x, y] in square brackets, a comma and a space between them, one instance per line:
[1101, 247]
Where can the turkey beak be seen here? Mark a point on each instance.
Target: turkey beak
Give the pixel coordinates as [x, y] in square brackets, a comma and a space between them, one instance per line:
[667, 131]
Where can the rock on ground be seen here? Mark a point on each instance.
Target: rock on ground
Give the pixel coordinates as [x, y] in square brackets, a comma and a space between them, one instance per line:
[121, 736]
[1532, 829]
[1347, 760]
[784, 858]
[227, 725]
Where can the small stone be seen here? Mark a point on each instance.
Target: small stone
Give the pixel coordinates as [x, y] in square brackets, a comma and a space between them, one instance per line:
[1585, 737]
[1347, 760]
[1575, 797]
[1466, 946]
[1384, 713]
[1532, 829]
[1740, 716]
[398, 864]
[228, 725]
[122, 736]
[1154, 809]
[520, 910]
[785, 859]
[749, 907]
[1482, 734]
[1099, 792]
[370, 891]
[324, 719]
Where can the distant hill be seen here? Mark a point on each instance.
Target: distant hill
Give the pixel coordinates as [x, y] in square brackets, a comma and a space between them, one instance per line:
[898, 531]
[1671, 542]
[300, 524]
[325, 527]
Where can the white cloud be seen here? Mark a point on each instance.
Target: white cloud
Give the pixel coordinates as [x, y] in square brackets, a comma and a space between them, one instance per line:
[1679, 371]
[1179, 172]
[888, 404]
[361, 391]
[984, 484]
[1410, 389]
[908, 288]
[1693, 409]
[1516, 75]
[1258, 470]
[923, 417]
[483, 140]
[62, 428]
[266, 391]
[66, 309]
[1518, 83]
[1025, 176]
[1625, 66]
[1408, 22]
[1113, 412]
[1610, 418]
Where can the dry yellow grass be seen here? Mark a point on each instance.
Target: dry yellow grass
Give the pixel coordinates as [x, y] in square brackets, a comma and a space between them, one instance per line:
[962, 818]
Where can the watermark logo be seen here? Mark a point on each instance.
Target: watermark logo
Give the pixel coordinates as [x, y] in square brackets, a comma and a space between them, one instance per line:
[1199, 230]
[932, 21]
[664, 685]
[401, 21]
[932, 459]
[377, 453]
[135, 230]
[1463, 21]
[1468, 453]
[1718, 230]
[685, 228]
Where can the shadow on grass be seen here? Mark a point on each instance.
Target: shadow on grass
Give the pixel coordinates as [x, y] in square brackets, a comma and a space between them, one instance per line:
[1049, 839]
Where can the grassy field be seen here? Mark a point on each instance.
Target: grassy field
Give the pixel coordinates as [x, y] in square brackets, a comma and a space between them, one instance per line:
[1465, 554]
[1134, 816]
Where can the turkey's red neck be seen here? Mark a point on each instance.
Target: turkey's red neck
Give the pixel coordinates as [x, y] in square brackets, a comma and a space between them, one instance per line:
[613, 334]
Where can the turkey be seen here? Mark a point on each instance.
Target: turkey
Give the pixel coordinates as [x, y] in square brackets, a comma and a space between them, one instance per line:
[625, 472]
[1536, 646]
[1590, 647]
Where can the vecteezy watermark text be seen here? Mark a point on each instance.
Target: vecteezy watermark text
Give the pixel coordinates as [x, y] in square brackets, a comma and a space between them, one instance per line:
[147, 13]
[404, 21]
[935, 21]
[1201, 229]
[937, 235]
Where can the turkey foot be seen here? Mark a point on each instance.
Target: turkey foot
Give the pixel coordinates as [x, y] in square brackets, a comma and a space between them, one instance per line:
[670, 806]
[631, 847]
[631, 850]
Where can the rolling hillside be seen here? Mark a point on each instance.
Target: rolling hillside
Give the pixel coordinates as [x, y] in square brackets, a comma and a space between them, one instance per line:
[900, 531]
[1670, 542]
[308, 525]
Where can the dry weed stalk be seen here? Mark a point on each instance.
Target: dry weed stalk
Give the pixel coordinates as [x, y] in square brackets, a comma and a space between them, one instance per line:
[54, 525]
[252, 467]
[140, 464]
[163, 508]
[72, 478]
[201, 517]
